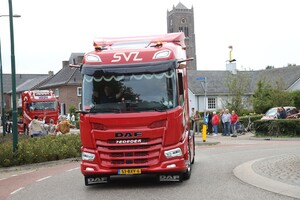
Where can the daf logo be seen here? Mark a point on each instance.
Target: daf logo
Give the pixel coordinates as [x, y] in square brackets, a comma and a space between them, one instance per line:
[127, 134]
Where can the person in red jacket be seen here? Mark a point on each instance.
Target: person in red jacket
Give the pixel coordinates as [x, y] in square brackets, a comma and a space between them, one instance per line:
[215, 122]
[233, 120]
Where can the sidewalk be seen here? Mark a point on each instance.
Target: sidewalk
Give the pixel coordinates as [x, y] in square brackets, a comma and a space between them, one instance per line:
[278, 174]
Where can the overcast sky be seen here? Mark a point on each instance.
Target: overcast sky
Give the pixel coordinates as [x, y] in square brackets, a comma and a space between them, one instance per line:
[262, 32]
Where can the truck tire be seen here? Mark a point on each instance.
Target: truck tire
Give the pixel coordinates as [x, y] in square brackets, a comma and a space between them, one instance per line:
[194, 148]
[187, 174]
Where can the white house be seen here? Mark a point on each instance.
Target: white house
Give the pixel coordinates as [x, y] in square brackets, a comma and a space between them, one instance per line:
[217, 91]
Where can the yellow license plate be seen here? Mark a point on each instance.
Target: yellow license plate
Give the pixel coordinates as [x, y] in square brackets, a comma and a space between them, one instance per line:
[129, 171]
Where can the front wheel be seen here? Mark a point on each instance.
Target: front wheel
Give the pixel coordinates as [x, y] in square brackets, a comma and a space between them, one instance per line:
[251, 128]
[187, 174]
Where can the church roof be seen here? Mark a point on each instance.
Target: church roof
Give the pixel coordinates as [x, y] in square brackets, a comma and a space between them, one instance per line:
[180, 6]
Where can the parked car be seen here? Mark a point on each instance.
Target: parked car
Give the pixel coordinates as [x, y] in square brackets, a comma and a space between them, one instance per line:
[291, 113]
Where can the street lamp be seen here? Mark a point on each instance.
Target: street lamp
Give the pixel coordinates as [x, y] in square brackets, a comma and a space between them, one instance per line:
[1, 82]
[13, 79]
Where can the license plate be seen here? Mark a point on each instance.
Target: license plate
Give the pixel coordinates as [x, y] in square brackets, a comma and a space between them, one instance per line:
[129, 171]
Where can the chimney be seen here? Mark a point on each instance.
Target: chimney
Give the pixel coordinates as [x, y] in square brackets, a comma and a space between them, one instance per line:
[65, 63]
[51, 73]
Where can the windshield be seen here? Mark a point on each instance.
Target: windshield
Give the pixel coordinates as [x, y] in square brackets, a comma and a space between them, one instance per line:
[47, 105]
[271, 112]
[109, 93]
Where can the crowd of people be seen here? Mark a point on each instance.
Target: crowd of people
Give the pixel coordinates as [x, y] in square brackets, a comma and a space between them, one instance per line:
[228, 121]
[38, 127]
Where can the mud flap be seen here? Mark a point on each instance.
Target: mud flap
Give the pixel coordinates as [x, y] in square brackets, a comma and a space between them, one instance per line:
[93, 180]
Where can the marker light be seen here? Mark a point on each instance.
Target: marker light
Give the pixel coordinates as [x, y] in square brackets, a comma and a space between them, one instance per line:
[93, 58]
[162, 54]
[173, 153]
[87, 156]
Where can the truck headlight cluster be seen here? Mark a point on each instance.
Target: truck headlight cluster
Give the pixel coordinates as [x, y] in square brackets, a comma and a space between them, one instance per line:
[173, 153]
[87, 156]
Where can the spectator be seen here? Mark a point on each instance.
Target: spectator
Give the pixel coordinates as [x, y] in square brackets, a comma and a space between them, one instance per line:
[73, 119]
[281, 113]
[68, 117]
[209, 125]
[36, 127]
[226, 123]
[192, 117]
[64, 126]
[51, 128]
[196, 127]
[215, 122]
[233, 121]
[220, 117]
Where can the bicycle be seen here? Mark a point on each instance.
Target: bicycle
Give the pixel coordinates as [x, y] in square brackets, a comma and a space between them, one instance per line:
[250, 127]
[241, 129]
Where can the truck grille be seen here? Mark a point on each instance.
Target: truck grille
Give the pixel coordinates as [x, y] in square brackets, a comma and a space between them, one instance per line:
[128, 153]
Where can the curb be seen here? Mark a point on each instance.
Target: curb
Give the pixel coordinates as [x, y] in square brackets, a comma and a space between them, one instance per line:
[201, 143]
[246, 174]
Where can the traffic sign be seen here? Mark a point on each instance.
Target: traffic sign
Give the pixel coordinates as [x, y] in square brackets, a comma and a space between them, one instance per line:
[200, 78]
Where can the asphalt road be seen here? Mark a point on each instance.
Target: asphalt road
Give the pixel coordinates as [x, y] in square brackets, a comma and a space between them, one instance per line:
[212, 177]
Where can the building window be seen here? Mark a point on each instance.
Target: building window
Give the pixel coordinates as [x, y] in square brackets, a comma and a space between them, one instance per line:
[186, 31]
[57, 92]
[79, 90]
[79, 106]
[211, 103]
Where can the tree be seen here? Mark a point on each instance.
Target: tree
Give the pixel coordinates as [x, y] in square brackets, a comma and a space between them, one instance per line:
[266, 96]
[262, 98]
[72, 109]
[270, 67]
[237, 85]
[296, 98]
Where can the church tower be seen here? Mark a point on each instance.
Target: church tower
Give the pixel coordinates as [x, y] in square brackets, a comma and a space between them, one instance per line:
[181, 19]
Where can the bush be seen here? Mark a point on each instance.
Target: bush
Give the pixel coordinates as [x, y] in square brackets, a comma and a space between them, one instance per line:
[278, 128]
[39, 149]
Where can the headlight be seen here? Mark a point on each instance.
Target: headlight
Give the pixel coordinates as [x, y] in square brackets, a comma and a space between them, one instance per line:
[173, 153]
[88, 156]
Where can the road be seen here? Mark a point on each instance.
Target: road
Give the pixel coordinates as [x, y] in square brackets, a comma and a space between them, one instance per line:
[212, 177]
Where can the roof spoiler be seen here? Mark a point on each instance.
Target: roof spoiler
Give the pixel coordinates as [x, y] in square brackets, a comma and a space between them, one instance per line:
[170, 37]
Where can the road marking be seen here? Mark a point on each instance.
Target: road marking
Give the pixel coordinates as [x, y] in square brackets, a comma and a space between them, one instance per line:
[43, 178]
[21, 188]
[22, 173]
[1, 179]
[69, 170]
[27, 172]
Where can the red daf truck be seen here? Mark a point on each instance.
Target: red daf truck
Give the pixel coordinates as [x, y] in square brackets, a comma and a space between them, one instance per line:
[135, 112]
[38, 103]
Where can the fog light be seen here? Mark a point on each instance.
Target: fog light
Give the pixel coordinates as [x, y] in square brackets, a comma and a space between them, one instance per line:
[88, 156]
[89, 169]
[171, 166]
[173, 153]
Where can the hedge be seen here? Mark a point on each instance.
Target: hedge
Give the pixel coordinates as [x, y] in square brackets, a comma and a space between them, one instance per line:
[39, 149]
[278, 128]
